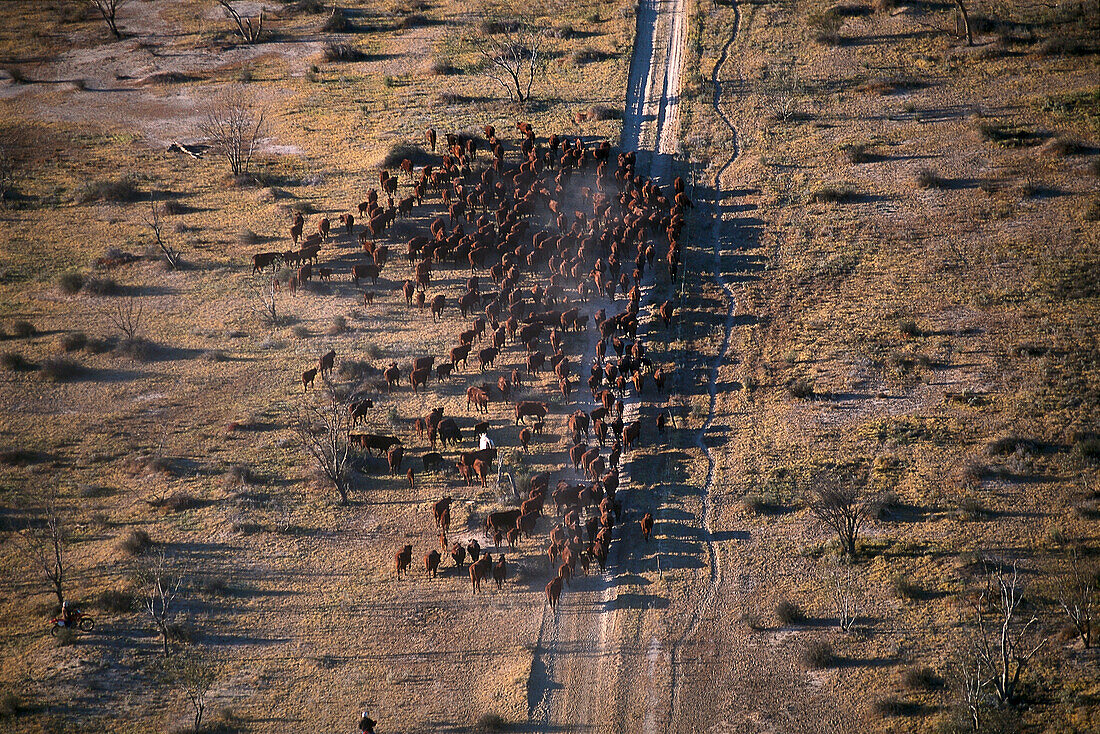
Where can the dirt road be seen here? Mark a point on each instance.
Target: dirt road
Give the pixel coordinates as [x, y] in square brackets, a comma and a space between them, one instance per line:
[601, 662]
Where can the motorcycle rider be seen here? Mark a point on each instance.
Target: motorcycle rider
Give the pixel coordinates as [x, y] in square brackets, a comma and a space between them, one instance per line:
[366, 724]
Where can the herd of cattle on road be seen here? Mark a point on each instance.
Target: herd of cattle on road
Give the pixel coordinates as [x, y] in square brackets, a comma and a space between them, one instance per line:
[595, 225]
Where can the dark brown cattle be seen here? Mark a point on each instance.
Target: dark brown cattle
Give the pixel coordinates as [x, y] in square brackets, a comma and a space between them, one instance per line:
[431, 563]
[308, 377]
[578, 422]
[576, 454]
[525, 438]
[504, 386]
[364, 270]
[409, 290]
[392, 375]
[394, 457]
[403, 559]
[666, 312]
[535, 360]
[373, 442]
[438, 303]
[631, 434]
[500, 572]
[305, 273]
[458, 554]
[368, 298]
[262, 260]
[529, 408]
[502, 520]
[359, 410]
[487, 356]
[481, 469]
[418, 378]
[423, 363]
[647, 526]
[326, 362]
[443, 371]
[659, 379]
[460, 354]
[553, 592]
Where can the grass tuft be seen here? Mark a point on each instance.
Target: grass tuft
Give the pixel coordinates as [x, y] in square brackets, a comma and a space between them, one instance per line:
[114, 190]
[788, 612]
[819, 654]
[60, 369]
[135, 543]
[23, 329]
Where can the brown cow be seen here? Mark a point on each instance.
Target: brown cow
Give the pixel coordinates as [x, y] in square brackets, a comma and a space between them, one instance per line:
[529, 408]
[307, 378]
[326, 362]
[525, 439]
[394, 457]
[431, 563]
[553, 592]
[458, 554]
[500, 572]
[647, 526]
[481, 469]
[439, 508]
[392, 375]
[368, 298]
[477, 397]
[419, 378]
[480, 571]
[409, 289]
[631, 434]
[438, 303]
[666, 311]
[404, 559]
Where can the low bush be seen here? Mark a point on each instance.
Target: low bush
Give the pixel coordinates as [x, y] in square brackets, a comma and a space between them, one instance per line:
[238, 475]
[174, 207]
[335, 51]
[215, 586]
[801, 389]
[490, 722]
[493, 26]
[71, 282]
[922, 678]
[135, 543]
[819, 654]
[442, 67]
[400, 151]
[300, 331]
[15, 362]
[10, 705]
[971, 508]
[856, 153]
[60, 369]
[336, 22]
[118, 190]
[22, 329]
[833, 194]
[826, 27]
[926, 178]
[1087, 448]
[909, 328]
[113, 600]
[101, 286]
[337, 326]
[904, 588]
[180, 500]
[587, 55]
[64, 637]
[413, 20]
[74, 341]
[893, 706]
[754, 504]
[788, 612]
[137, 349]
[753, 621]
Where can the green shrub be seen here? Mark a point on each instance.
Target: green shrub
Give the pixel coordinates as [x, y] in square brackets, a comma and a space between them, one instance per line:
[801, 389]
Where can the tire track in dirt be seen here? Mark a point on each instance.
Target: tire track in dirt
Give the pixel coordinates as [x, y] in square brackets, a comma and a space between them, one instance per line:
[590, 642]
[714, 206]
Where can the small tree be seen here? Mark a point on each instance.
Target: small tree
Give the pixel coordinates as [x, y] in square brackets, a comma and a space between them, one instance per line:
[1002, 647]
[171, 254]
[1077, 590]
[265, 292]
[125, 317]
[512, 48]
[840, 498]
[109, 9]
[46, 546]
[843, 588]
[250, 33]
[195, 673]
[161, 585]
[234, 125]
[323, 432]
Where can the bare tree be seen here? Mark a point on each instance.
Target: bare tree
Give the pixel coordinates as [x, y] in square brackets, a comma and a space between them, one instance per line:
[1077, 591]
[234, 125]
[323, 431]
[782, 90]
[975, 699]
[1002, 646]
[512, 47]
[962, 22]
[109, 9]
[843, 587]
[840, 498]
[46, 545]
[171, 254]
[250, 33]
[126, 318]
[265, 292]
[161, 585]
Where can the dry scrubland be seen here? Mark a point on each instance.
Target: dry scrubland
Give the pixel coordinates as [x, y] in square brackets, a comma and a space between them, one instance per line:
[183, 435]
[913, 245]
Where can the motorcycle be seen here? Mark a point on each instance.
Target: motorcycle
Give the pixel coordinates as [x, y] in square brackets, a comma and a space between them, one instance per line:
[77, 621]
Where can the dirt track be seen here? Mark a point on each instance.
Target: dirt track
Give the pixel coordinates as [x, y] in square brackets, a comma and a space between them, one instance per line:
[601, 662]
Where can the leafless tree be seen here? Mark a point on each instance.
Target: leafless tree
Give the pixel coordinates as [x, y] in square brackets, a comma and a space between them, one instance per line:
[9, 170]
[1077, 591]
[109, 9]
[842, 585]
[512, 47]
[783, 90]
[126, 317]
[161, 585]
[840, 498]
[46, 544]
[265, 292]
[975, 698]
[233, 124]
[1003, 644]
[323, 432]
[171, 254]
[250, 33]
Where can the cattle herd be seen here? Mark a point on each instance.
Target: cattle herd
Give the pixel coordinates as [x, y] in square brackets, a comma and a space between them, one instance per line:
[559, 230]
